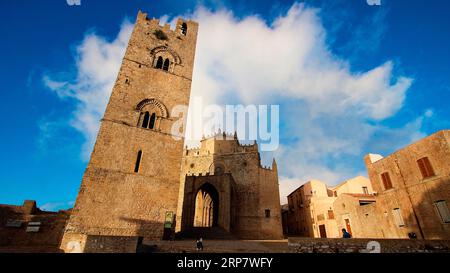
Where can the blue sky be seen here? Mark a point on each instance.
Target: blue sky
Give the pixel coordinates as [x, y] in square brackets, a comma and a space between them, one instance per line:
[42, 148]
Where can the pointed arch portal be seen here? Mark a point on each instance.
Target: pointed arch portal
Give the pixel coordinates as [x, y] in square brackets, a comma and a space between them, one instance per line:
[206, 206]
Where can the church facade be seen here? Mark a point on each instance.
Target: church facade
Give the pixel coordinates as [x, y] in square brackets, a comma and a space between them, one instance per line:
[223, 185]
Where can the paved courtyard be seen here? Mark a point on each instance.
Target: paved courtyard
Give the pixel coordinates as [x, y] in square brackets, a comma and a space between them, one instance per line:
[219, 246]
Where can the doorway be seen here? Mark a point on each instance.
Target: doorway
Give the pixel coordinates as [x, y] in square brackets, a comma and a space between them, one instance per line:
[206, 207]
[323, 231]
[348, 227]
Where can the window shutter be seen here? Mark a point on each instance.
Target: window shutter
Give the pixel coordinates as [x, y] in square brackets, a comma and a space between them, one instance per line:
[320, 217]
[398, 217]
[365, 190]
[330, 215]
[386, 181]
[428, 167]
[443, 211]
[422, 168]
[425, 167]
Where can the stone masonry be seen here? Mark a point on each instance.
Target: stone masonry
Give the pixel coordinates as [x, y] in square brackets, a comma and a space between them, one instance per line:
[248, 194]
[319, 211]
[28, 229]
[410, 197]
[132, 179]
[413, 188]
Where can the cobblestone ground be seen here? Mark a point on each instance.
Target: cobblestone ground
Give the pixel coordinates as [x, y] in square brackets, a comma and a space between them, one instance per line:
[220, 246]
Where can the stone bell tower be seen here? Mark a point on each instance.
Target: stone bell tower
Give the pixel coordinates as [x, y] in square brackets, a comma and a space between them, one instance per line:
[130, 186]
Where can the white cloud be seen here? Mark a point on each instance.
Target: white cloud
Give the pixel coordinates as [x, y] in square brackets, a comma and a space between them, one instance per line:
[329, 111]
[57, 206]
[97, 63]
[326, 105]
[288, 185]
[256, 62]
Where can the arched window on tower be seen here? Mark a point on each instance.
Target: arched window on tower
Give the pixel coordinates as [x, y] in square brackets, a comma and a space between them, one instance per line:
[166, 65]
[184, 29]
[146, 120]
[138, 162]
[149, 114]
[152, 121]
[159, 63]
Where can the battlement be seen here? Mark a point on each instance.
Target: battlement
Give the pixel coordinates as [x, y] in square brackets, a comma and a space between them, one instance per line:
[229, 137]
[221, 143]
[221, 136]
[163, 48]
[268, 168]
[156, 23]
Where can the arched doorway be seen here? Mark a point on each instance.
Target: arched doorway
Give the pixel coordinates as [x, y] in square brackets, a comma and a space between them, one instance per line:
[206, 206]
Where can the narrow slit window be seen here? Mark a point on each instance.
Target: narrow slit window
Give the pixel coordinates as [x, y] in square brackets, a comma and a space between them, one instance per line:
[146, 120]
[267, 212]
[152, 121]
[159, 63]
[138, 162]
[166, 65]
[184, 29]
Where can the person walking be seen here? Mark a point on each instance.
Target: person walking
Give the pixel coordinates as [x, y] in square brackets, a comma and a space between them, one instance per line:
[201, 243]
[197, 242]
[345, 234]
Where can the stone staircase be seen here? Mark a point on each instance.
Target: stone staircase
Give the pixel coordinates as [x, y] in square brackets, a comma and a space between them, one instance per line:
[207, 233]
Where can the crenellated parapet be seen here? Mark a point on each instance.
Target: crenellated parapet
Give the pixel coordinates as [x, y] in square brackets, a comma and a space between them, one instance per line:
[155, 23]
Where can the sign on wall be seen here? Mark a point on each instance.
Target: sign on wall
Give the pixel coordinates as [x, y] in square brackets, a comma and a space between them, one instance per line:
[168, 223]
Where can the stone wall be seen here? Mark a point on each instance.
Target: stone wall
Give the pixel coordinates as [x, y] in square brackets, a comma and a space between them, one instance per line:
[110, 244]
[412, 194]
[51, 226]
[315, 212]
[364, 220]
[309, 245]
